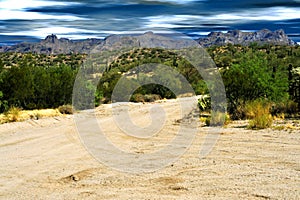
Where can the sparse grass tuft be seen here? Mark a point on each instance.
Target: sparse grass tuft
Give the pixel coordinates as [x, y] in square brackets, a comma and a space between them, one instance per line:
[290, 126]
[278, 128]
[216, 119]
[12, 115]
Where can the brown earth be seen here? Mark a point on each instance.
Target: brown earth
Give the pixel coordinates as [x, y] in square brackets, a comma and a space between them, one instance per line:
[45, 159]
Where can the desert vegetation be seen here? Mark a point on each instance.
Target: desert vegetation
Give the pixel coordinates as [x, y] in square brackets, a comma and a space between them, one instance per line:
[264, 77]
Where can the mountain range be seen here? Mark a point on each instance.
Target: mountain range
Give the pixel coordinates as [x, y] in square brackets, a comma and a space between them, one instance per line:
[52, 45]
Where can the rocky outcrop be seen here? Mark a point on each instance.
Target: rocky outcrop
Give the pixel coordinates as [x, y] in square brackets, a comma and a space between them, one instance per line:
[52, 45]
[245, 38]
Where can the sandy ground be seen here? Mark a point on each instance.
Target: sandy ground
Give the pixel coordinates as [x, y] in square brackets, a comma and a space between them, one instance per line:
[45, 159]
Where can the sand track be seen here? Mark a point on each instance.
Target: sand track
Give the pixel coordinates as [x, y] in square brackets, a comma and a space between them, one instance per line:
[44, 159]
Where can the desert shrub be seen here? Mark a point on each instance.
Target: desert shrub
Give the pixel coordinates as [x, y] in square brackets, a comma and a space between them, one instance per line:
[207, 121]
[3, 103]
[145, 98]
[152, 97]
[204, 103]
[278, 108]
[104, 100]
[227, 119]
[189, 94]
[288, 107]
[203, 120]
[258, 112]
[137, 98]
[278, 128]
[66, 109]
[38, 114]
[35, 115]
[261, 122]
[13, 114]
[239, 112]
[292, 107]
[217, 119]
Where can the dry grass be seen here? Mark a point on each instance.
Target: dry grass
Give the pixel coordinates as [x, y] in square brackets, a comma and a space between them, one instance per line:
[66, 109]
[258, 112]
[13, 114]
[17, 115]
[216, 119]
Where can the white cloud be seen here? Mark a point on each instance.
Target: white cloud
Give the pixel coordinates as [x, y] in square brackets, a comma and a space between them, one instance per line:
[136, 32]
[24, 4]
[78, 37]
[200, 33]
[22, 15]
[76, 34]
[57, 30]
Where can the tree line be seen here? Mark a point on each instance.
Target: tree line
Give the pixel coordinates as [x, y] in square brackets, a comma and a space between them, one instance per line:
[32, 81]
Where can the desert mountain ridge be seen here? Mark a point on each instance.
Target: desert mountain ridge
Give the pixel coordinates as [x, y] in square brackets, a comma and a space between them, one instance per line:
[53, 45]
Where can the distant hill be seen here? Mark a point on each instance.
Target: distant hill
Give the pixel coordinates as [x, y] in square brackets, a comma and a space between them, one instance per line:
[52, 45]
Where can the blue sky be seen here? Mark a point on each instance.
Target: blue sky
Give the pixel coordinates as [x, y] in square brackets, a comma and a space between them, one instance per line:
[28, 20]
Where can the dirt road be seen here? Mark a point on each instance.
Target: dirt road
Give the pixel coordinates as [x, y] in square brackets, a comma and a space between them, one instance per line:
[45, 159]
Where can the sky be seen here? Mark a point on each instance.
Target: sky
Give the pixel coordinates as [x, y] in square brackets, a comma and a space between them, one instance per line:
[32, 20]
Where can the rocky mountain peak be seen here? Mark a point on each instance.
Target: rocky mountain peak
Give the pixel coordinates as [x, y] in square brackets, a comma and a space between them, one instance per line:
[51, 39]
[245, 38]
[149, 33]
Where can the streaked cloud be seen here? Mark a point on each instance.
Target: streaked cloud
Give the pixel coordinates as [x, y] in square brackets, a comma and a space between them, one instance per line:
[242, 16]
[22, 15]
[173, 1]
[78, 19]
[170, 21]
[17, 10]
[264, 14]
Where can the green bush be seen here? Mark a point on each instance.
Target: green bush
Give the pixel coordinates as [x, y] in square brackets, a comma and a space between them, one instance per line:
[66, 109]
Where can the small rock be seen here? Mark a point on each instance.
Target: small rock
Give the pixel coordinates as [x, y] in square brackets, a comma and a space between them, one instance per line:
[74, 178]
